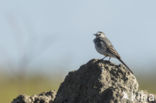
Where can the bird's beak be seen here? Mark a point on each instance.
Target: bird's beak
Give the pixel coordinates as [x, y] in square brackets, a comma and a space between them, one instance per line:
[95, 34]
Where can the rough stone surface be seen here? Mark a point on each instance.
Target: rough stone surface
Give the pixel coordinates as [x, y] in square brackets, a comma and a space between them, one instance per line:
[97, 81]
[100, 81]
[45, 97]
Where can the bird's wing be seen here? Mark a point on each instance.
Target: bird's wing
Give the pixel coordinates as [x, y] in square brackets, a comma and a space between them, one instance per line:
[110, 48]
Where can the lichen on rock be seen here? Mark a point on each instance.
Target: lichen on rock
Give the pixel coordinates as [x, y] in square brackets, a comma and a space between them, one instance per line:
[45, 97]
[97, 81]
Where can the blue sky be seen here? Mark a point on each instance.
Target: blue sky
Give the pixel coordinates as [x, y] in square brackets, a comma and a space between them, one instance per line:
[68, 26]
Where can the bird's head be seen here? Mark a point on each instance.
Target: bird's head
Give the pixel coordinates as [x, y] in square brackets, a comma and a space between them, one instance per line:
[99, 34]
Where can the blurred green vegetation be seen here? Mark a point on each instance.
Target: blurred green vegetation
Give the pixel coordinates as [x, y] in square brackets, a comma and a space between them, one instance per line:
[11, 87]
[147, 83]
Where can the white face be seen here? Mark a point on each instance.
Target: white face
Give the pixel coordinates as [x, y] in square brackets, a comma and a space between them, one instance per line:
[100, 34]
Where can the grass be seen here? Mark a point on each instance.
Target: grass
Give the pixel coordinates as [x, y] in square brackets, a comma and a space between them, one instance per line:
[10, 89]
[148, 85]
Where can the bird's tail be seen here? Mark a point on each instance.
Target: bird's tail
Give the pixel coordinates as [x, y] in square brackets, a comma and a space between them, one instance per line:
[124, 64]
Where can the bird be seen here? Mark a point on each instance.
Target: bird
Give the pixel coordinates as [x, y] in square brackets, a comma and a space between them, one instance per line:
[105, 47]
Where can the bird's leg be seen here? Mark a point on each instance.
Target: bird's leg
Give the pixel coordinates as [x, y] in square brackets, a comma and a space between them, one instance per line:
[109, 59]
[103, 58]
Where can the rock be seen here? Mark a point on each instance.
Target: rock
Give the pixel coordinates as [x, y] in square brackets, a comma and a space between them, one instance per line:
[45, 97]
[98, 81]
[101, 81]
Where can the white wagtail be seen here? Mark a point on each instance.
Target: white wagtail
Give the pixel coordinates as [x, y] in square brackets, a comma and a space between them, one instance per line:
[105, 47]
